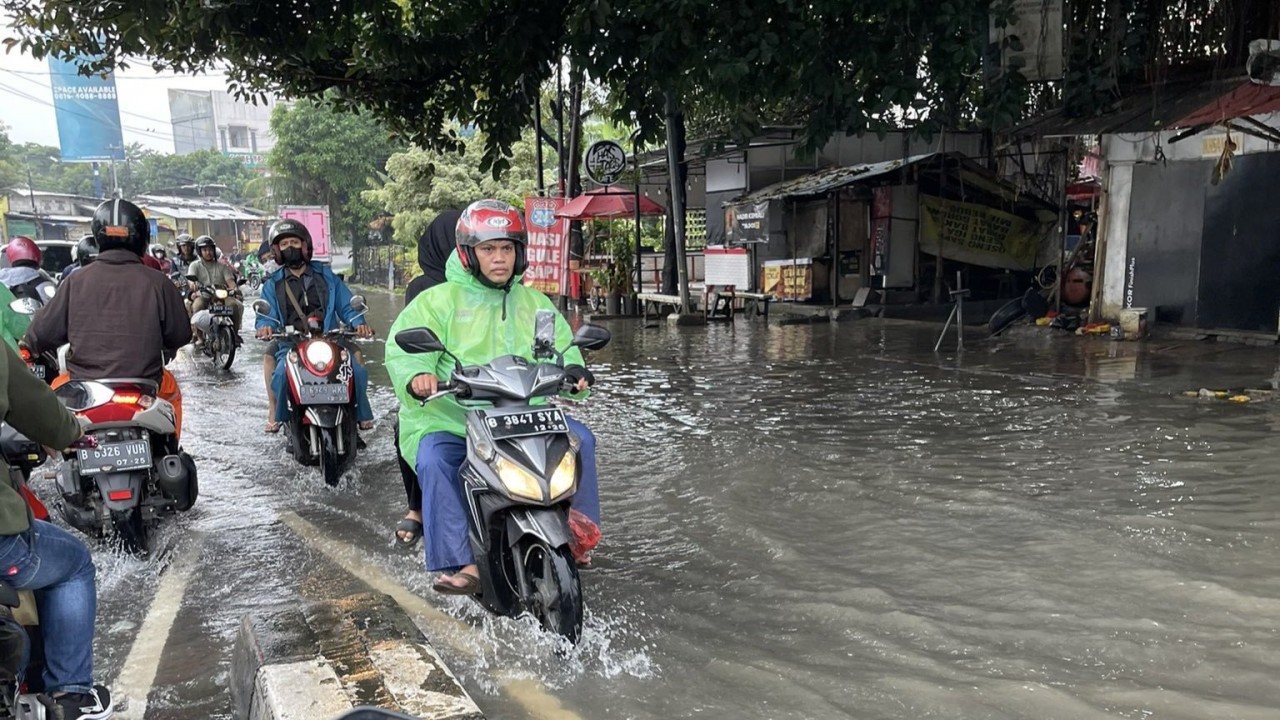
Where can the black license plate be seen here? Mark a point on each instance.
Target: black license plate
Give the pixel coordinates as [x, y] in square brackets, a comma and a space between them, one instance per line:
[222, 311]
[323, 394]
[115, 457]
[38, 370]
[530, 422]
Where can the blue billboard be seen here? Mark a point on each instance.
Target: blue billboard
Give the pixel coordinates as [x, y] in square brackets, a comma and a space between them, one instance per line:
[88, 113]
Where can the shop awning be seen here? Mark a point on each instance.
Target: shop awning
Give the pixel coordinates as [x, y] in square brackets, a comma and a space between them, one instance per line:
[1236, 110]
[824, 181]
[1141, 110]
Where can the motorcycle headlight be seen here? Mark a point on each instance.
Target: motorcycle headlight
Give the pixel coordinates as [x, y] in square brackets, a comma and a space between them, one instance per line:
[320, 356]
[221, 294]
[565, 477]
[24, 306]
[517, 480]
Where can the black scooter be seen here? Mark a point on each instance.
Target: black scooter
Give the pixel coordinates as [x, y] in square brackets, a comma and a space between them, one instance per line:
[520, 473]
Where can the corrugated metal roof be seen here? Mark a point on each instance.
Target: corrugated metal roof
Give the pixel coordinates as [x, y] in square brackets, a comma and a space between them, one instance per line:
[1246, 100]
[193, 209]
[824, 181]
[1156, 107]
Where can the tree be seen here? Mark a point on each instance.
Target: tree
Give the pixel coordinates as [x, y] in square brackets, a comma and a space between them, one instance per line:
[149, 172]
[328, 157]
[422, 183]
[10, 168]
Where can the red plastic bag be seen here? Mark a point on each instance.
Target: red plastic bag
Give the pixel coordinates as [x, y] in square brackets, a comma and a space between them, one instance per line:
[584, 536]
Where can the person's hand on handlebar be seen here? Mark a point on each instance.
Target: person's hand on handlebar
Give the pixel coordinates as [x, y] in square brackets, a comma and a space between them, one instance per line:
[423, 385]
[579, 378]
[364, 331]
[264, 333]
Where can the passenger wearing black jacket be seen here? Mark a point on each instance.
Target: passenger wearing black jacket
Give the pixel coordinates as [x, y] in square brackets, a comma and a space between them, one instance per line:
[434, 248]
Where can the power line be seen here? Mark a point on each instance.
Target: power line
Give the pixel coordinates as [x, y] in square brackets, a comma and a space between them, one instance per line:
[28, 96]
[49, 87]
[48, 73]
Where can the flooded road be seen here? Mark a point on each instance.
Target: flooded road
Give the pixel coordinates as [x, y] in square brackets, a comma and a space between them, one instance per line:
[801, 521]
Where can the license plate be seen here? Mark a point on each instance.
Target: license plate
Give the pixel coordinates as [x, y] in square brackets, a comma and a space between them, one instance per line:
[222, 311]
[115, 457]
[38, 370]
[530, 422]
[323, 394]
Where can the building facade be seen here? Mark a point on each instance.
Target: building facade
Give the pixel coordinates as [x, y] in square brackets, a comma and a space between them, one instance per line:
[204, 119]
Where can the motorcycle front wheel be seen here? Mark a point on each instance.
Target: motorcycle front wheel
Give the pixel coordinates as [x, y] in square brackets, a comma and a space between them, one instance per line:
[552, 576]
[224, 348]
[329, 457]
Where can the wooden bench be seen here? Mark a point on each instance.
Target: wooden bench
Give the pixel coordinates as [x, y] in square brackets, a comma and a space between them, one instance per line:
[719, 302]
[652, 303]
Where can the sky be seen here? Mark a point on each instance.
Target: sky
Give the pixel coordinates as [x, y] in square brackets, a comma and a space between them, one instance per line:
[143, 97]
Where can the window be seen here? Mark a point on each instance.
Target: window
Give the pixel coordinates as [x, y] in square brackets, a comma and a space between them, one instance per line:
[238, 136]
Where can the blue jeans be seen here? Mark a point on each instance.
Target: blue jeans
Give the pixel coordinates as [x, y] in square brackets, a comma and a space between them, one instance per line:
[58, 567]
[364, 411]
[444, 517]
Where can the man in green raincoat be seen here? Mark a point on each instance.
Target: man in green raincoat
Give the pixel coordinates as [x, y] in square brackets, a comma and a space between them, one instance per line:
[480, 313]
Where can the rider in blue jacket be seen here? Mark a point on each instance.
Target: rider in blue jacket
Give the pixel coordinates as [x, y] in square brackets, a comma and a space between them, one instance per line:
[311, 287]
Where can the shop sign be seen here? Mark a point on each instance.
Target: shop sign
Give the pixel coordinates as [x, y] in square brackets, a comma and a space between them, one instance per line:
[977, 234]
[747, 223]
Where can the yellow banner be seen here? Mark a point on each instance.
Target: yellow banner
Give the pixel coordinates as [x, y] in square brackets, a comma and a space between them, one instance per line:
[977, 234]
[4, 223]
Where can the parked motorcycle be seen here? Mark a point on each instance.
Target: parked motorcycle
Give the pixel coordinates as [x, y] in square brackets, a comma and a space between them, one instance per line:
[216, 326]
[320, 394]
[134, 473]
[520, 473]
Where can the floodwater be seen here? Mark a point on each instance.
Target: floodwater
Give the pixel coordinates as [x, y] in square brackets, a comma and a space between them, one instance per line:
[809, 521]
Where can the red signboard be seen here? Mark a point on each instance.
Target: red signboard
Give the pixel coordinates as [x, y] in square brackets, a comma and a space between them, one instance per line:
[548, 245]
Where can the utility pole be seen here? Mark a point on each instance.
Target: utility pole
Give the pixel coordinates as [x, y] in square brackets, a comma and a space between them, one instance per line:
[676, 208]
[31, 195]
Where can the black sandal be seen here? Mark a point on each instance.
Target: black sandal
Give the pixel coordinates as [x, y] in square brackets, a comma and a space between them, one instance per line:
[411, 526]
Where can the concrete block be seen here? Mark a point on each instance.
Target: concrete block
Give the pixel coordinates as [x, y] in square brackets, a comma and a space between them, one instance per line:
[362, 649]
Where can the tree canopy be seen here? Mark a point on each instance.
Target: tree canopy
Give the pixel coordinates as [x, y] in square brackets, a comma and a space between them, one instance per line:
[323, 157]
[828, 66]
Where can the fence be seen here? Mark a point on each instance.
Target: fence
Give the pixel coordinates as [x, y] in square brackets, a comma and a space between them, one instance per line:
[385, 265]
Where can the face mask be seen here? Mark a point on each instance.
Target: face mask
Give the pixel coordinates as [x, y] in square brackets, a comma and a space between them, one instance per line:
[293, 257]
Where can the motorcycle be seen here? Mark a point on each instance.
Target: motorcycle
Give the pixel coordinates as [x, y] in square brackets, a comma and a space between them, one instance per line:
[45, 365]
[21, 649]
[133, 472]
[519, 475]
[320, 394]
[216, 325]
[253, 275]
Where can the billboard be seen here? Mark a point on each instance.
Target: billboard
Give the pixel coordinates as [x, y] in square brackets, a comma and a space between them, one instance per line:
[548, 249]
[87, 112]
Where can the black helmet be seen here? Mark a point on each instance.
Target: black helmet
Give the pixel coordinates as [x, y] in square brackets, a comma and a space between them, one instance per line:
[120, 225]
[288, 228]
[204, 241]
[85, 250]
[184, 239]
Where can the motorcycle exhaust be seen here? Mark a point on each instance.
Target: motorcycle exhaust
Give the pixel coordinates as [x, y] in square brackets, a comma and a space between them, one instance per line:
[176, 477]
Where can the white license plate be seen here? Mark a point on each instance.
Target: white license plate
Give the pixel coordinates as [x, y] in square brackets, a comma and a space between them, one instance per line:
[323, 394]
[115, 457]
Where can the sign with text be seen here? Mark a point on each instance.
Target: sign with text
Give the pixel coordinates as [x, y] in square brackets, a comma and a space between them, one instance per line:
[548, 249]
[787, 279]
[87, 112]
[604, 162]
[747, 223]
[977, 234]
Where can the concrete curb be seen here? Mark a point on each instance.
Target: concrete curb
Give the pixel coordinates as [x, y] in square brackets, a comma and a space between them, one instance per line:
[323, 659]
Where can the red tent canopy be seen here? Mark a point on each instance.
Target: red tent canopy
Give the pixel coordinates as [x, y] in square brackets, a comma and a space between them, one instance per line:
[608, 202]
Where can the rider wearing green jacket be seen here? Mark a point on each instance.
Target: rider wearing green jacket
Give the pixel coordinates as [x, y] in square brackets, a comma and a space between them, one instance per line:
[480, 313]
[13, 324]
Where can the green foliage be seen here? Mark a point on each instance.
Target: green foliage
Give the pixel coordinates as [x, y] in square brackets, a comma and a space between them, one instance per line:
[148, 171]
[422, 183]
[327, 157]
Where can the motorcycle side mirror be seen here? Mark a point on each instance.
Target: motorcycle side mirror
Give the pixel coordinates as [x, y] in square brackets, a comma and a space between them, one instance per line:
[358, 304]
[261, 307]
[591, 337]
[419, 340]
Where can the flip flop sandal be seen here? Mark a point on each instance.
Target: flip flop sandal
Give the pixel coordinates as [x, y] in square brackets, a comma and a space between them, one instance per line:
[411, 526]
[272, 427]
[470, 586]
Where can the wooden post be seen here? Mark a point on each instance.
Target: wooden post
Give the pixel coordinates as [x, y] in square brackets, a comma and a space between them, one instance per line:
[677, 199]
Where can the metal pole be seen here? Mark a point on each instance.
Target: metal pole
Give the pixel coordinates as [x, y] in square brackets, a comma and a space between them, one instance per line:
[959, 314]
[635, 154]
[563, 156]
[677, 203]
[537, 139]
[31, 195]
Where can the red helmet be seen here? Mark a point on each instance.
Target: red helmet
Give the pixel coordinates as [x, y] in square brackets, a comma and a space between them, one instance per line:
[23, 249]
[485, 220]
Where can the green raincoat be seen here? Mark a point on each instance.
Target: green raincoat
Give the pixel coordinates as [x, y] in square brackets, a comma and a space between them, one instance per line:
[477, 323]
[13, 324]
